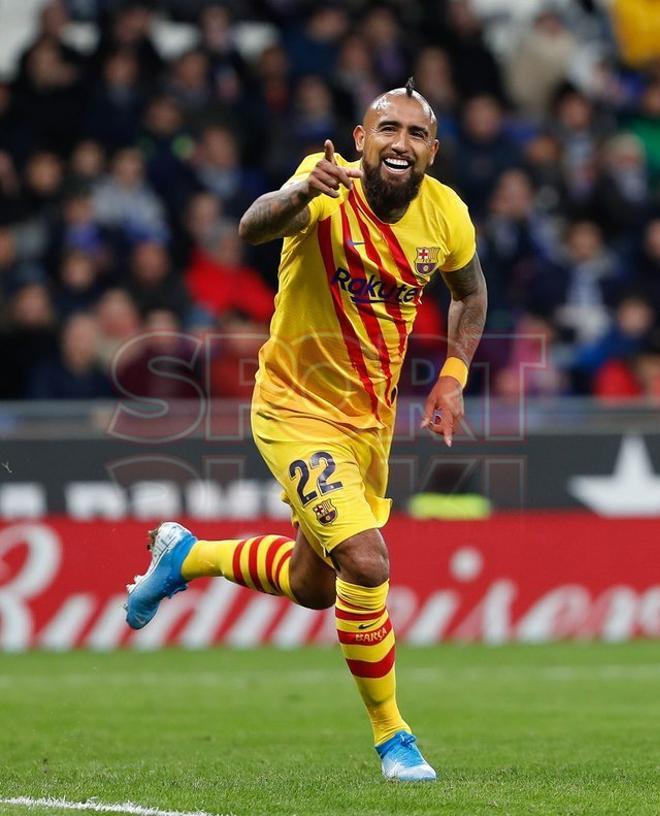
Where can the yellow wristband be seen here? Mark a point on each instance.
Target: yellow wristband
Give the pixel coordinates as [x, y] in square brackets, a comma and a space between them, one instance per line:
[456, 368]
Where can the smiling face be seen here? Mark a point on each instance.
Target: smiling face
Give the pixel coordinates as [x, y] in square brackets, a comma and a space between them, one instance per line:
[398, 145]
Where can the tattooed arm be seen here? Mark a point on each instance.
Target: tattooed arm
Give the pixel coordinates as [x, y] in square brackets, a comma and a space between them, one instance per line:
[467, 315]
[274, 215]
[286, 212]
[467, 311]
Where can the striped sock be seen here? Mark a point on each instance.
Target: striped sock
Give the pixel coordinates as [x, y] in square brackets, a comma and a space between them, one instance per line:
[260, 563]
[366, 638]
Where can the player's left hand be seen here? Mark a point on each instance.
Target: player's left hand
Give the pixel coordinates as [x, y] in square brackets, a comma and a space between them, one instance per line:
[444, 408]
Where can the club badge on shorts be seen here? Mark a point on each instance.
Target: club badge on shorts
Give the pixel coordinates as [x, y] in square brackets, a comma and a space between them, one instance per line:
[325, 511]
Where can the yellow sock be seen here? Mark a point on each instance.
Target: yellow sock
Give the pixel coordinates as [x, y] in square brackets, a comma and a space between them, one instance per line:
[261, 563]
[366, 638]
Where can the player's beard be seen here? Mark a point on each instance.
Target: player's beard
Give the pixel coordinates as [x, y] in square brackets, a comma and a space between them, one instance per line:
[387, 198]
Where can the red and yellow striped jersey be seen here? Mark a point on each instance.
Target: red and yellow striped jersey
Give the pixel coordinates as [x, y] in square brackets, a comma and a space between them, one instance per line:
[349, 286]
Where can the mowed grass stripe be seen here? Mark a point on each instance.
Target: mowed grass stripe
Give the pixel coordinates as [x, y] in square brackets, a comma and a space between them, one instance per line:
[559, 729]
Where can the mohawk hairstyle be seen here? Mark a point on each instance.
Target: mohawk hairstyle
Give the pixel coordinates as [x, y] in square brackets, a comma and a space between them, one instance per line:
[410, 86]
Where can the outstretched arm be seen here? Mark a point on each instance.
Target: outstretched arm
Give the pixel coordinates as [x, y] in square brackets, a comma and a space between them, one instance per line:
[467, 315]
[286, 211]
[274, 215]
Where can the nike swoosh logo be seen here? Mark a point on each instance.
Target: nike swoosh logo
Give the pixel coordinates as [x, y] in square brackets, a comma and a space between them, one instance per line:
[356, 243]
[364, 625]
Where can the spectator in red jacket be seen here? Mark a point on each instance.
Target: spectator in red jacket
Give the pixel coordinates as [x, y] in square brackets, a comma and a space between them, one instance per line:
[219, 280]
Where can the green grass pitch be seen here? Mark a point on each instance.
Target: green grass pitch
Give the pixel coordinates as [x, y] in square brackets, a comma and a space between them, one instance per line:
[560, 729]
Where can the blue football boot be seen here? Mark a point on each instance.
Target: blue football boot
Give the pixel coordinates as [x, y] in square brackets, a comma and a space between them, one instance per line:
[170, 544]
[402, 761]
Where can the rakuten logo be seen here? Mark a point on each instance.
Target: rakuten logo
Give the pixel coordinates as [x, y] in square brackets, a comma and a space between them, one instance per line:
[373, 290]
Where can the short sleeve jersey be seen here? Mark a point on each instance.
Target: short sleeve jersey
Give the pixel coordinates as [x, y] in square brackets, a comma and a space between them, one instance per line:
[349, 288]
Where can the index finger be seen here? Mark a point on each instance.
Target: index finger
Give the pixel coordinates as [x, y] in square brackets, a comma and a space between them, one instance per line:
[329, 151]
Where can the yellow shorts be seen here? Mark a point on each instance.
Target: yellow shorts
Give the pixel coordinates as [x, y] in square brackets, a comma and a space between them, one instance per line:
[334, 478]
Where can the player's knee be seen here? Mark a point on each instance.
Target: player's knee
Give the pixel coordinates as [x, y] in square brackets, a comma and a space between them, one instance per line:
[363, 559]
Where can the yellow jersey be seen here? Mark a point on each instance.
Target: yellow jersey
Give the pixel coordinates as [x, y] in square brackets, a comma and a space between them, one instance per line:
[349, 287]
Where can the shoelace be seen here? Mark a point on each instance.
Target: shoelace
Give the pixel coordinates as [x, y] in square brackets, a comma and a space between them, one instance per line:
[407, 739]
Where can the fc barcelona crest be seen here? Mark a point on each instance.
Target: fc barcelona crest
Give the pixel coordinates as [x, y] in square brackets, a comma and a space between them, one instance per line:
[426, 260]
[326, 512]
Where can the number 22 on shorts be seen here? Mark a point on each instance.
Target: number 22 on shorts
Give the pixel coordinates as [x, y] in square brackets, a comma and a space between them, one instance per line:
[301, 469]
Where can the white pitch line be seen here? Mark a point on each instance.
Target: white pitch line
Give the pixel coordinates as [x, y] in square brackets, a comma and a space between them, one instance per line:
[99, 807]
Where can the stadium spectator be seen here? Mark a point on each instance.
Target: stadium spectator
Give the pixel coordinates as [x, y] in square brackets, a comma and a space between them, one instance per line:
[189, 85]
[37, 205]
[87, 162]
[621, 197]
[218, 170]
[43, 178]
[313, 44]
[484, 151]
[609, 358]
[273, 86]
[157, 363]
[7, 255]
[219, 279]
[433, 79]
[29, 337]
[532, 367]
[517, 245]
[113, 112]
[118, 323]
[10, 189]
[76, 228]
[591, 279]
[647, 261]
[645, 124]
[313, 116]
[153, 283]
[385, 42]
[579, 134]
[129, 30]
[539, 62]
[50, 98]
[204, 220]
[542, 161]
[76, 373]
[456, 27]
[167, 147]
[235, 359]
[79, 286]
[647, 370]
[217, 40]
[355, 82]
[125, 203]
[14, 130]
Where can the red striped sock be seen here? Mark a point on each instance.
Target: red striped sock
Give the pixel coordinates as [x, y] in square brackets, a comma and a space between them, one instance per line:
[261, 562]
[366, 638]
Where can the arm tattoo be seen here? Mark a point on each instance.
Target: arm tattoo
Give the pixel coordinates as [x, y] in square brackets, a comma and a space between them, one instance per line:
[467, 312]
[274, 215]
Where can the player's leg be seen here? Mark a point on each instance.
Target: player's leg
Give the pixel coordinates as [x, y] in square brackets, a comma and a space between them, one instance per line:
[270, 563]
[366, 638]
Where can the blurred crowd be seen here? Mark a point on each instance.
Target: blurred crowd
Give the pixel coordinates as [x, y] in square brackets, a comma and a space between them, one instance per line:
[124, 171]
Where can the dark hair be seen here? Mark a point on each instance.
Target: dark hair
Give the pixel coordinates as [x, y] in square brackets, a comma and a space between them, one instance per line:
[410, 86]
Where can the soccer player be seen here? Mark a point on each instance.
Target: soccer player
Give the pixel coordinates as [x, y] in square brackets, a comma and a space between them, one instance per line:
[361, 240]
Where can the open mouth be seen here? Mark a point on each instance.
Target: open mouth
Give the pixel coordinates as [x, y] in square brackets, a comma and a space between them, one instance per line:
[397, 165]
